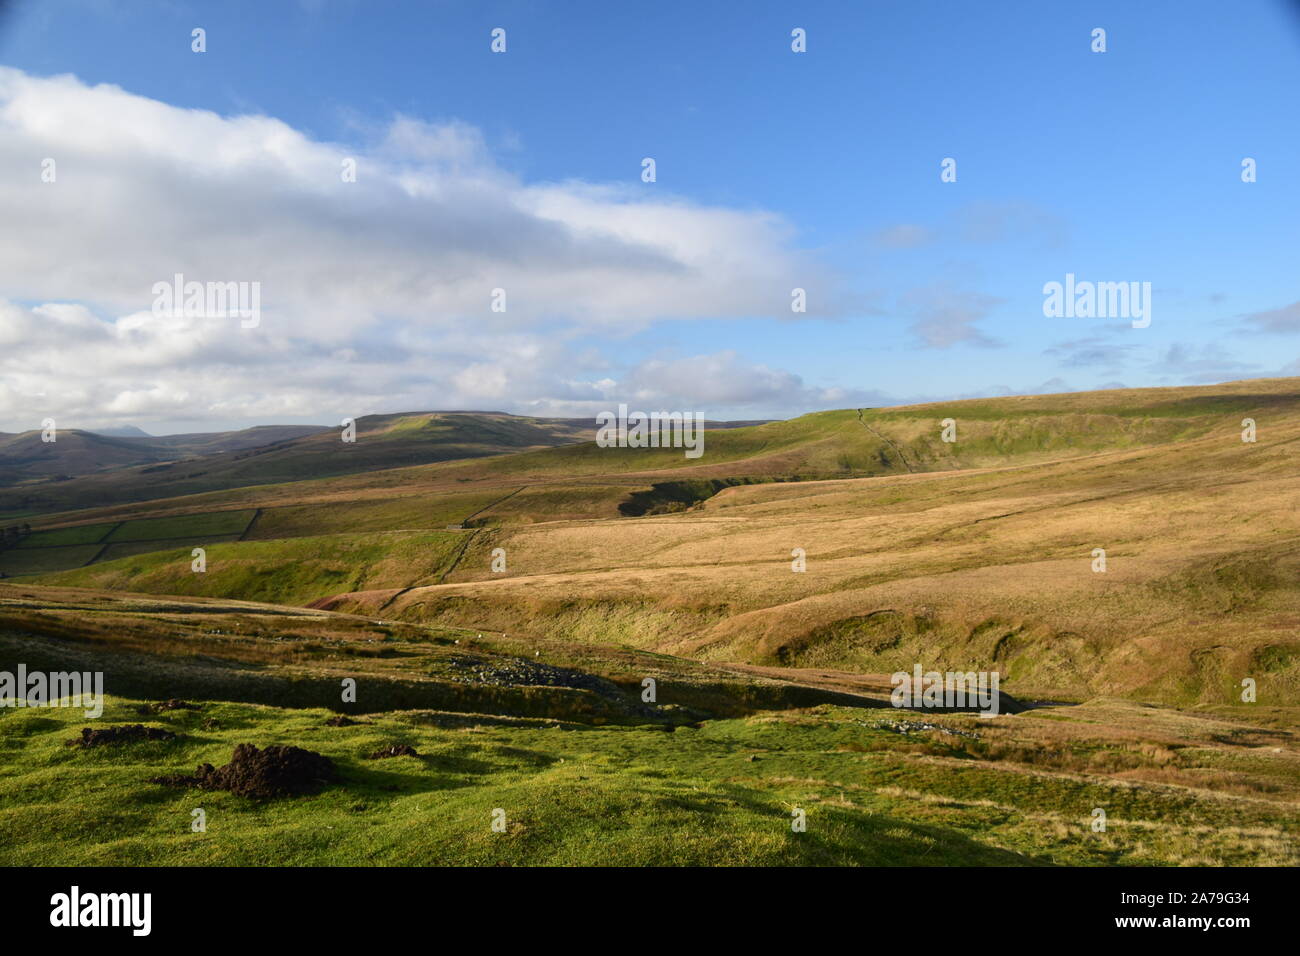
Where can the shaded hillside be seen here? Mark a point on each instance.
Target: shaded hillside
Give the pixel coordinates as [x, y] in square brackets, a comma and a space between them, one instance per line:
[262, 456]
[26, 456]
[75, 452]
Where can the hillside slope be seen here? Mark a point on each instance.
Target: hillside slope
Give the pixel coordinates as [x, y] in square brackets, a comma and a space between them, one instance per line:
[25, 457]
[558, 733]
[986, 568]
[189, 464]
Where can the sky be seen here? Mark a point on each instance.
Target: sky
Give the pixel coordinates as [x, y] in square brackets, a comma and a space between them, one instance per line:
[127, 158]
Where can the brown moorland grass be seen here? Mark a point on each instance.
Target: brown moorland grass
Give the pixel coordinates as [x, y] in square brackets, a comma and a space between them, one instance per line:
[985, 564]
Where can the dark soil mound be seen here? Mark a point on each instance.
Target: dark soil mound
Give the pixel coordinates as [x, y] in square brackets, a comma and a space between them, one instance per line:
[394, 750]
[118, 735]
[273, 772]
[340, 721]
[172, 704]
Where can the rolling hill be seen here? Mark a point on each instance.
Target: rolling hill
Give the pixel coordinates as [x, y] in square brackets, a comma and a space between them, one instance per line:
[27, 458]
[977, 551]
[112, 470]
[501, 615]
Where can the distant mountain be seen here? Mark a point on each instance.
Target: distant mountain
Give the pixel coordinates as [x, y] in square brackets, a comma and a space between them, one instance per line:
[211, 443]
[88, 468]
[73, 452]
[85, 468]
[120, 431]
[77, 452]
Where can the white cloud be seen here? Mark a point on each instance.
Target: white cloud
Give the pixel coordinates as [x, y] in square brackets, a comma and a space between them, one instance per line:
[374, 294]
[943, 316]
[1283, 320]
[904, 236]
[1195, 366]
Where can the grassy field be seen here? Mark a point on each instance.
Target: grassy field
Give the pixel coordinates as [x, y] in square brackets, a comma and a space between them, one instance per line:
[20, 561]
[584, 771]
[77, 545]
[183, 526]
[1124, 554]
[287, 571]
[721, 793]
[60, 537]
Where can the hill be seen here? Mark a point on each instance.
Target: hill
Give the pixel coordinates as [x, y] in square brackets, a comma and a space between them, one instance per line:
[25, 456]
[990, 566]
[121, 431]
[117, 470]
[558, 734]
[974, 552]
[766, 591]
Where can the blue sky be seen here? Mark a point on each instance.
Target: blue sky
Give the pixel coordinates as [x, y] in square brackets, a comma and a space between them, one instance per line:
[1115, 166]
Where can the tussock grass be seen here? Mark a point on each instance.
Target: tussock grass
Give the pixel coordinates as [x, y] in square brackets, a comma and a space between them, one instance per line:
[718, 795]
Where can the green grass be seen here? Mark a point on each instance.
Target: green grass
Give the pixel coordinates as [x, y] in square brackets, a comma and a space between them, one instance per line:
[721, 794]
[38, 560]
[59, 537]
[284, 571]
[432, 512]
[126, 549]
[60, 549]
[184, 526]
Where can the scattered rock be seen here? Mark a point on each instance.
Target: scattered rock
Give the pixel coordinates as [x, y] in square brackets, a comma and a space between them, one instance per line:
[393, 750]
[274, 772]
[341, 720]
[521, 672]
[91, 737]
[920, 726]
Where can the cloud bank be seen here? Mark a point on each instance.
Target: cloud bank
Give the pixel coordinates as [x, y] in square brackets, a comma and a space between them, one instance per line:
[375, 293]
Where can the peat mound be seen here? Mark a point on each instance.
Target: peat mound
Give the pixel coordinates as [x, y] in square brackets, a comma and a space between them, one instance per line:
[273, 772]
[393, 750]
[91, 737]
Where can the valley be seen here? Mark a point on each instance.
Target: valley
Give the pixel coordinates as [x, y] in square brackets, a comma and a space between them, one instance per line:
[501, 606]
